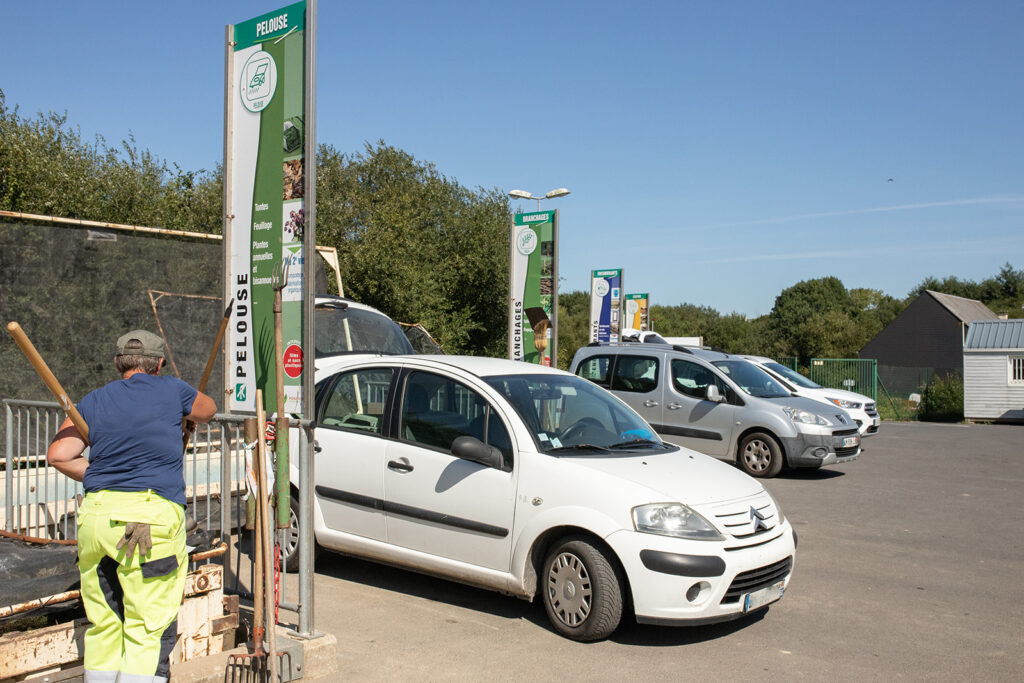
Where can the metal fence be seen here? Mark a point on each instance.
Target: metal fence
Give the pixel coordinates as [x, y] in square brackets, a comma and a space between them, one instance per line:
[40, 502]
[859, 375]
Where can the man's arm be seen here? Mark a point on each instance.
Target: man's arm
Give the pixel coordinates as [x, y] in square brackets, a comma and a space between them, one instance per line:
[65, 451]
[203, 409]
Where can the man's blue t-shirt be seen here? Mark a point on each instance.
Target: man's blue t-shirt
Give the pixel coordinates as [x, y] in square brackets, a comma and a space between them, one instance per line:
[135, 435]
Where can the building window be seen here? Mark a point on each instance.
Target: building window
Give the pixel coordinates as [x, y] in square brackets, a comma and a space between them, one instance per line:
[1016, 369]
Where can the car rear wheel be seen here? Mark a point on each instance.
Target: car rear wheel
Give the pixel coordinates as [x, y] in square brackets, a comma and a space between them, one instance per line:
[760, 455]
[582, 588]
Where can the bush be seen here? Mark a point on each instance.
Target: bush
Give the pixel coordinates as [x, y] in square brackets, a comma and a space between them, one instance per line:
[943, 399]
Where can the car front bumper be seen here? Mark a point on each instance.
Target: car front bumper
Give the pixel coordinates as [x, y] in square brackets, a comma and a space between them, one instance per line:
[679, 582]
[817, 447]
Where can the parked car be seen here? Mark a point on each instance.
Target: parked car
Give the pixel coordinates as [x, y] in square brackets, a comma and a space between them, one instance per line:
[860, 407]
[344, 326]
[533, 482]
[721, 405]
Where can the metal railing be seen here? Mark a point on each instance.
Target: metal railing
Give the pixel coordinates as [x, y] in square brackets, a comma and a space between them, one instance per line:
[41, 502]
[859, 375]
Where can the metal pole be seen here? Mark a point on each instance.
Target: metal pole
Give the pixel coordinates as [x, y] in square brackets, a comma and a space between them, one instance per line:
[306, 479]
[554, 291]
[9, 470]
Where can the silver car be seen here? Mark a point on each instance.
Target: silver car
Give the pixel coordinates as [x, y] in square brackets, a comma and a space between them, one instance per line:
[721, 405]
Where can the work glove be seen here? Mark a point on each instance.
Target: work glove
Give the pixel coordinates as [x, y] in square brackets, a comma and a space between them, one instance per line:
[136, 534]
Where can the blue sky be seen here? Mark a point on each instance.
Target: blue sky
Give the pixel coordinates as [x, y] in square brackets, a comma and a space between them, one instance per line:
[719, 152]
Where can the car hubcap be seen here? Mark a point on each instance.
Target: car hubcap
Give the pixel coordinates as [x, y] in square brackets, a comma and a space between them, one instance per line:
[757, 455]
[569, 589]
[291, 536]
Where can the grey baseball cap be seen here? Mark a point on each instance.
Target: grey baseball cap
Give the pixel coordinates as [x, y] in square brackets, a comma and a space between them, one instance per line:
[140, 343]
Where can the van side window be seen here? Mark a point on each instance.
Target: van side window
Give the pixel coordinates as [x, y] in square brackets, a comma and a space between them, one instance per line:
[692, 379]
[635, 373]
[596, 370]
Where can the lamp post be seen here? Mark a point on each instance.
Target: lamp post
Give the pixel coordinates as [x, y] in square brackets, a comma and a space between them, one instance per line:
[523, 194]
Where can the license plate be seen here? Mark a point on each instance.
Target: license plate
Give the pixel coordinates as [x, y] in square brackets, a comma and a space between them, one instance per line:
[765, 596]
[850, 441]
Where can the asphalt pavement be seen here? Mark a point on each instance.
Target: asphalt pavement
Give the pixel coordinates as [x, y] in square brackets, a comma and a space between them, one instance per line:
[909, 567]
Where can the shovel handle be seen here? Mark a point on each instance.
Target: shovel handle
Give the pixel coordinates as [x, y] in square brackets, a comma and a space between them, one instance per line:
[26, 346]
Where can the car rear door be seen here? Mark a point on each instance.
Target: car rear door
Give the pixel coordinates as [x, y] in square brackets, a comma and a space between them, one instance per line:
[637, 380]
[350, 463]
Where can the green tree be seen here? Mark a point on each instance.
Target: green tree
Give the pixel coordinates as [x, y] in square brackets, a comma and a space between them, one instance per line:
[418, 245]
[796, 307]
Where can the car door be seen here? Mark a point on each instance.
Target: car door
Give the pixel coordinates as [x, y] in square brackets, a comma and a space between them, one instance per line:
[689, 419]
[436, 502]
[351, 461]
[636, 379]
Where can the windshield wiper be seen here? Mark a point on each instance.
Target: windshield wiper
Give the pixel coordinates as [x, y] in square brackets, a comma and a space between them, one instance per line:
[637, 442]
[578, 447]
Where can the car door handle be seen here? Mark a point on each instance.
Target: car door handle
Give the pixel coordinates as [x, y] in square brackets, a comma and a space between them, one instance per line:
[400, 466]
[674, 406]
[650, 404]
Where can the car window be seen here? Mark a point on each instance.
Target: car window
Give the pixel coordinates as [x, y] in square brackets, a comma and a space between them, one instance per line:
[793, 376]
[342, 329]
[752, 379]
[635, 373]
[357, 399]
[692, 379]
[436, 410]
[596, 370]
[570, 416]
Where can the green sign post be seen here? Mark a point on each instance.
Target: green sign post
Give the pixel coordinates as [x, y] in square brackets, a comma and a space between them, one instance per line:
[266, 205]
[533, 287]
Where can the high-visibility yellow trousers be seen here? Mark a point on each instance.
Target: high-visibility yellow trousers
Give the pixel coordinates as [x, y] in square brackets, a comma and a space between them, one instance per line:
[132, 605]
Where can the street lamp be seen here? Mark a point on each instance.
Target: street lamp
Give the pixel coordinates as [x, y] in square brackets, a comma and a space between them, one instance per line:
[523, 194]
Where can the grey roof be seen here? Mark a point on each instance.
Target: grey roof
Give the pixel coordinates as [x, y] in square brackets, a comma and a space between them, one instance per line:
[996, 334]
[967, 310]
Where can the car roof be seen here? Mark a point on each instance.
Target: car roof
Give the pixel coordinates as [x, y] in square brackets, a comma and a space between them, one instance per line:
[704, 354]
[476, 365]
[323, 299]
[758, 359]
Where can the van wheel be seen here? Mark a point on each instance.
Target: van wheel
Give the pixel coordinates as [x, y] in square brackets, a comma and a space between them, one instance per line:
[582, 587]
[760, 455]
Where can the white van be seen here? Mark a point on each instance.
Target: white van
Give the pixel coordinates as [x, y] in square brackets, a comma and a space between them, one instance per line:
[860, 407]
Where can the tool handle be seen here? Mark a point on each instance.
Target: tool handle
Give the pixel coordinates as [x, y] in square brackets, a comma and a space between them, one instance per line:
[26, 346]
[208, 370]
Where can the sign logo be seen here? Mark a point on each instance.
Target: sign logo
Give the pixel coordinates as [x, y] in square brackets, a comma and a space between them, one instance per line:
[240, 391]
[259, 81]
[526, 241]
[601, 286]
[758, 520]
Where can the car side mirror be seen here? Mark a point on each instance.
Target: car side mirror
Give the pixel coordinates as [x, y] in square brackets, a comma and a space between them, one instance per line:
[712, 394]
[473, 449]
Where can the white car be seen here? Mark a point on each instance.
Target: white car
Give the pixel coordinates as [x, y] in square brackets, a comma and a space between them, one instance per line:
[534, 482]
[860, 407]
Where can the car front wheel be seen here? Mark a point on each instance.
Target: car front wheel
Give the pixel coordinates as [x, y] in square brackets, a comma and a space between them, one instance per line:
[760, 455]
[582, 587]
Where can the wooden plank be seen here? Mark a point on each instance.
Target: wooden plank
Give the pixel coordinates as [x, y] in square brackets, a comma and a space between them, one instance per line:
[41, 648]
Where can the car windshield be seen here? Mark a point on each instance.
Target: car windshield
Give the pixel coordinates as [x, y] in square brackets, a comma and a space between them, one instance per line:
[792, 375]
[569, 415]
[751, 379]
[342, 329]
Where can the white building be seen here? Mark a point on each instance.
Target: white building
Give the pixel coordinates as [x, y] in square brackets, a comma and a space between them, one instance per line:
[994, 370]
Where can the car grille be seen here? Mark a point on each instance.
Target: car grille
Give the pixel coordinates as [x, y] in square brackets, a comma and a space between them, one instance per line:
[845, 452]
[756, 579]
[743, 527]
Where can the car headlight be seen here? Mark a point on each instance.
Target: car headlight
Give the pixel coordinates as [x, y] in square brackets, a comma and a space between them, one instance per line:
[804, 417]
[843, 403]
[674, 519]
